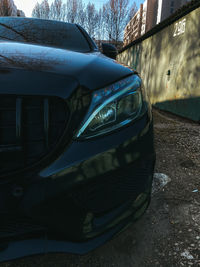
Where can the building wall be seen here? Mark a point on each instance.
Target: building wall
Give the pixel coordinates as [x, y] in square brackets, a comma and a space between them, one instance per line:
[13, 7]
[167, 7]
[151, 12]
[20, 13]
[144, 18]
[132, 30]
[169, 65]
[152, 7]
[8, 8]
[142, 22]
[159, 11]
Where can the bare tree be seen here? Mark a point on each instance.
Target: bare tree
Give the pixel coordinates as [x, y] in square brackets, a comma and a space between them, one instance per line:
[81, 14]
[91, 16]
[100, 27]
[37, 12]
[41, 10]
[58, 10]
[72, 6]
[116, 15]
[7, 8]
[132, 12]
[71, 11]
[45, 9]
[109, 22]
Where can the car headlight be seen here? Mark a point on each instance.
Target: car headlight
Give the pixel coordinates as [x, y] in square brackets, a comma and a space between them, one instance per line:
[112, 107]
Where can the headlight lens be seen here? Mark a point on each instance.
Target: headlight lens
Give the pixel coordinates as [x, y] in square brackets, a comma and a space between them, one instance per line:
[112, 107]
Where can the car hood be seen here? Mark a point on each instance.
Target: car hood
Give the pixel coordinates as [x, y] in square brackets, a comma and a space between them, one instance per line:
[91, 70]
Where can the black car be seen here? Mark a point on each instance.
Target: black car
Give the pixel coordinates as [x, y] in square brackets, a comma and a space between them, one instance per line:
[76, 140]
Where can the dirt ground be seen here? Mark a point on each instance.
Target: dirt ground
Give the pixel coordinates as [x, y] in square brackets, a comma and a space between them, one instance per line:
[169, 232]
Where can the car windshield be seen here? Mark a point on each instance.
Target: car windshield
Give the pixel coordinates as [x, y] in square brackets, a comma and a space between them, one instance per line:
[43, 32]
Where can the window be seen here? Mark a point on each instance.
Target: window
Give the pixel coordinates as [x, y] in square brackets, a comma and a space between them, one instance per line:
[43, 32]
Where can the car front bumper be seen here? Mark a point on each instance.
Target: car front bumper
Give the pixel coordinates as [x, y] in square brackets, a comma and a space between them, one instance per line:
[91, 192]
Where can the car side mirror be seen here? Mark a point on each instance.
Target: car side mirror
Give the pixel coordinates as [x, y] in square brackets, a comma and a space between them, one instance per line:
[109, 50]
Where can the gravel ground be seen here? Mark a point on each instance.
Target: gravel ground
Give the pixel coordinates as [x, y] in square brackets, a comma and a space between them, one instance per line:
[169, 232]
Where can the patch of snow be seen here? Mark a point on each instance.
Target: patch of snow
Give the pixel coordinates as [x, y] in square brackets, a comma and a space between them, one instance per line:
[187, 255]
[195, 191]
[160, 180]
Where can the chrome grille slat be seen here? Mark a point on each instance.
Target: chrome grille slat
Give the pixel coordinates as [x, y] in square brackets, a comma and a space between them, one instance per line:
[46, 121]
[30, 127]
[18, 119]
[10, 148]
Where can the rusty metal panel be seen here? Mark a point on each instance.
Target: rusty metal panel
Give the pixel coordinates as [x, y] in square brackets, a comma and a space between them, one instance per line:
[169, 63]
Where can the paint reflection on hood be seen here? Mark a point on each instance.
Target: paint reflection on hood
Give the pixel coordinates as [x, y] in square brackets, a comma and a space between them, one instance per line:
[92, 70]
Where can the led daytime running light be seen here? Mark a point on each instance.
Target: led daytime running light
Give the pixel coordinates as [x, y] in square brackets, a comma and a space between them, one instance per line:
[101, 97]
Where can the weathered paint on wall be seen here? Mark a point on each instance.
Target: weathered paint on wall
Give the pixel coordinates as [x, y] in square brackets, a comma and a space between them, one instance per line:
[169, 63]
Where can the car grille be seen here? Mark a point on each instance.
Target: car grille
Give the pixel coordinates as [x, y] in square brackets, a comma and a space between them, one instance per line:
[13, 226]
[112, 190]
[30, 127]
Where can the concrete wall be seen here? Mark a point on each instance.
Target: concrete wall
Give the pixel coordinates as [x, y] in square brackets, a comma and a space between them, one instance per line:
[169, 63]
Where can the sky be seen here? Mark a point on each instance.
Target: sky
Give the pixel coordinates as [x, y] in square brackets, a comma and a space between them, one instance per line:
[28, 5]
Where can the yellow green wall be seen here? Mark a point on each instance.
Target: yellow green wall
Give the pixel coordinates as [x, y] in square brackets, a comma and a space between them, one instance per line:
[174, 50]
